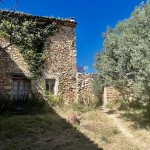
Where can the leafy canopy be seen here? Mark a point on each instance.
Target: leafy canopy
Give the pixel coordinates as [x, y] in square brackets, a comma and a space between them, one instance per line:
[125, 58]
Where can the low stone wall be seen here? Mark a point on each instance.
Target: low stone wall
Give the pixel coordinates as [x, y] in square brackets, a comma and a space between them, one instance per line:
[110, 94]
[84, 87]
[84, 90]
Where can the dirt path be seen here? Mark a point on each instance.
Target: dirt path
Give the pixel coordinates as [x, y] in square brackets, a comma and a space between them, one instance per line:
[125, 131]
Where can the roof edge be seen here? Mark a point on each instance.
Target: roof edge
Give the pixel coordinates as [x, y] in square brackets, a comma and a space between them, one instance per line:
[64, 22]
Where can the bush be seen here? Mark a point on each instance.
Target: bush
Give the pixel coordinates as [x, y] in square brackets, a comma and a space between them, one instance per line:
[146, 113]
[88, 101]
[34, 104]
[54, 101]
[6, 104]
[80, 108]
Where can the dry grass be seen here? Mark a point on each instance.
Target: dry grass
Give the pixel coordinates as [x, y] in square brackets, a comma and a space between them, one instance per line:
[100, 129]
[41, 132]
[136, 125]
[51, 131]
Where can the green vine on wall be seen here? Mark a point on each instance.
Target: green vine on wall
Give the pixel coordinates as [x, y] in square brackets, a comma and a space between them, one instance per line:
[30, 34]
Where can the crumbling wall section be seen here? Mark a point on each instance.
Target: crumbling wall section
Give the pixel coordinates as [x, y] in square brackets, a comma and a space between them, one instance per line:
[84, 87]
[110, 94]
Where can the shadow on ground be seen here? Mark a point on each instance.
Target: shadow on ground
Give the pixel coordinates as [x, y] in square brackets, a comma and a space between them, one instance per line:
[32, 130]
[139, 121]
[41, 131]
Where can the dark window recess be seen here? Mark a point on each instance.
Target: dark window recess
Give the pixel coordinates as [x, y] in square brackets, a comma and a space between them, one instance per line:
[50, 85]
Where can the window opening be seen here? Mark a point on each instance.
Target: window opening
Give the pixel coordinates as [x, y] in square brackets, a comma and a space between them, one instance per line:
[50, 85]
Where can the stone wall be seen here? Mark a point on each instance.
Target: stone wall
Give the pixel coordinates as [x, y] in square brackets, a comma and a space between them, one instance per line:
[84, 89]
[11, 61]
[60, 65]
[110, 94]
[84, 86]
[61, 62]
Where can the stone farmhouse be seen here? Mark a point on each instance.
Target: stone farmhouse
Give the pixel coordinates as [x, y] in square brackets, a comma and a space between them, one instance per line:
[59, 75]
[59, 71]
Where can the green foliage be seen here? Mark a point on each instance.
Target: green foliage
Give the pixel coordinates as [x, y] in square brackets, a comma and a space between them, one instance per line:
[4, 34]
[110, 105]
[50, 98]
[54, 100]
[115, 130]
[97, 86]
[89, 101]
[80, 108]
[33, 106]
[125, 59]
[105, 139]
[86, 103]
[30, 35]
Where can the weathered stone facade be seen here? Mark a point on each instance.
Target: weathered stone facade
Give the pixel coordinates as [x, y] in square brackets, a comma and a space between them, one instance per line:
[59, 69]
[11, 63]
[60, 65]
[61, 62]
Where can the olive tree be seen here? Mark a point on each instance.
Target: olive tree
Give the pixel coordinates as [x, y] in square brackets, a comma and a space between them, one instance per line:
[124, 60]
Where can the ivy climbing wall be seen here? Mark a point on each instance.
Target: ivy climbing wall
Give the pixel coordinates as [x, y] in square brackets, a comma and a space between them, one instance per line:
[57, 58]
[12, 63]
[60, 64]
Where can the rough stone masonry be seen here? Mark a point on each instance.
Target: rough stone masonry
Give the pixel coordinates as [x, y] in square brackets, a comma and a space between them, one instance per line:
[59, 68]
[59, 71]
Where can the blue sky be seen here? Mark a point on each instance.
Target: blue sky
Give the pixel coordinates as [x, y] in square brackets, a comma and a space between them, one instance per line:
[92, 16]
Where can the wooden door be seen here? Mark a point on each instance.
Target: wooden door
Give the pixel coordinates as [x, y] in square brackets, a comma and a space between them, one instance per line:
[20, 92]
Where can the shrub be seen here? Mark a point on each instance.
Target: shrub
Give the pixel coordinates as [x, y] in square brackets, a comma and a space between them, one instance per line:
[54, 100]
[6, 104]
[86, 103]
[89, 101]
[146, 112]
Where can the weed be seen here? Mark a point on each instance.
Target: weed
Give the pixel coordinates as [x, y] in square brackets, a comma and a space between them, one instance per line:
[85, 103]
[105, 139]
[88, 100]
[110, 105]
[11, 146]
[54, 101]
[115, 130]
[80, 108]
